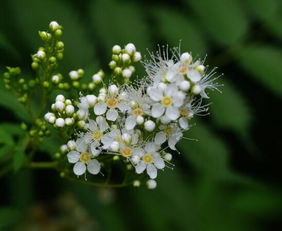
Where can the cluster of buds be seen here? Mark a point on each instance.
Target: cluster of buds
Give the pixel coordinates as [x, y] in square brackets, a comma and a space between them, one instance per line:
[20, 86]
[63, 112]
[45, 55]
[122, 60]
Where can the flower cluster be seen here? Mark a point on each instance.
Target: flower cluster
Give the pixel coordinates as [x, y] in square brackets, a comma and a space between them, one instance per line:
[136, 123]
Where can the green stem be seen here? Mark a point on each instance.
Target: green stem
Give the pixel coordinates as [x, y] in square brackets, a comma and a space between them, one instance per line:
[43, 165]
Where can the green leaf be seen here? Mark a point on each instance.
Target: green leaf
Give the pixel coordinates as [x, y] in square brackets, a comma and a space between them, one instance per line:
[174, 27]
[10, 102]
[5, 137]
[8, 216]
[119, 23]
[230, 110]
[79, 50]
[264, 65]
[223, 19]
[6, 45]
[19, 159]
[209, 155]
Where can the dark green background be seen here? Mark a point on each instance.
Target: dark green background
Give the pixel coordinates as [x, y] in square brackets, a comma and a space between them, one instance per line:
[229, 180]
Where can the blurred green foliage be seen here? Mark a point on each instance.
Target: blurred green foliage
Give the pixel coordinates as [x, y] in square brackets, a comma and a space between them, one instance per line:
[216, 183]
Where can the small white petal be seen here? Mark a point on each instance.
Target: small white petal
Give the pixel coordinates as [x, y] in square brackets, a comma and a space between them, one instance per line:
[100, 108]
[157, 110]
[112, 114]
[94, 167]
[194, 76]
[183, 122]
[172, 113]
[159, 162]
[73, 156]
[123, 106]
[79, 168]
[139, 168]
[138, 151]
[92, 125]
[150, 147]
[152, 171]
[94, 150]
[160, 138]
[81, 146]
[130, 122]
[102, 123]
[172, 141]
[155, 94]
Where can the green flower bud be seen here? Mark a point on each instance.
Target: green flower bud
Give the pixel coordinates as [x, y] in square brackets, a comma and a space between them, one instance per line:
[46, 84]
[80, 72]
[23, 126]
[75, 84]
[60, 55]
[58, 33]
[60, 45]
[52, 59]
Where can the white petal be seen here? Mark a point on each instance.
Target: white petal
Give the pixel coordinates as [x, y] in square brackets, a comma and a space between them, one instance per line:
[94, 167]
[194, 76]
[107, 140]
[81, 146]
[73, 156]
[130, 122]
[159, 162]
[138, 151]
[172, 113]
[160, 138]
[102, 123]
[183, 122]
[100, 108]
[112, 114]
[157, 110]
[94, 150]
[150, 147]
[172, 141]
[123, 106]
[92, 125]
[79, 168]
[155, 94]
[152, 171]
[139, 168]
[87, 138]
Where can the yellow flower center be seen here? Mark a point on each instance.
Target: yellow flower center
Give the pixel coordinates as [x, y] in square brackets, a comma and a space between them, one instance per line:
[112, 103]
[167, 101]
[97, 135]
[138, 112]
[147, 158]
[184, 112]
[183, 70]
[84, 157]
[168, 129]
[126, 152]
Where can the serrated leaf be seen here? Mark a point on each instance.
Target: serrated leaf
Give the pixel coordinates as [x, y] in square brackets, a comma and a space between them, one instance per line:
[230, 110]
[264, 65]
[174, 27]
[8, 216]
[119, 23]
[223, 19]
[209, 155]
[79, 50]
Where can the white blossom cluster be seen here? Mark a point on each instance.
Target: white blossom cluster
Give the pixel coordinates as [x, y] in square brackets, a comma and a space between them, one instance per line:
[139, 122]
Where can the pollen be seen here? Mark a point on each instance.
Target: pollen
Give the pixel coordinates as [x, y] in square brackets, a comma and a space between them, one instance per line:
[138, 112]
[167, 101]
[147, 158]
[97, 135]
[84, 157]
[112, 103]
[184, 112]
[126, 152]
[183, 70]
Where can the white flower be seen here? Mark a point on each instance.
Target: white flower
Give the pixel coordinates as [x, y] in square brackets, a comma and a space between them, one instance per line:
[171, 133]
[95, 133]
[167, 101]
[113, 101]
[83, 159]
[150, 160]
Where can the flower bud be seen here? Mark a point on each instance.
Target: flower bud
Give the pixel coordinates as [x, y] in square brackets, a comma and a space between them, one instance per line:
[149, 125]
[114, 146]
[186, 58]
[196, 89]
[113, 89]
[69, 121]
[60, 98]
[130, 48]
[69, 109]
[91, 99]
[139, 119]
[64, 148]
[60, 122]
[184, 85]
[126, 73]
[116, 49]
[168, 157]
[125, 58]
[137, 56]
[136, 183]
[74, 75]
[59, 106]
[97, 78]
[151, 184]
[71, 144]
[54, 26]
[200, 68]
